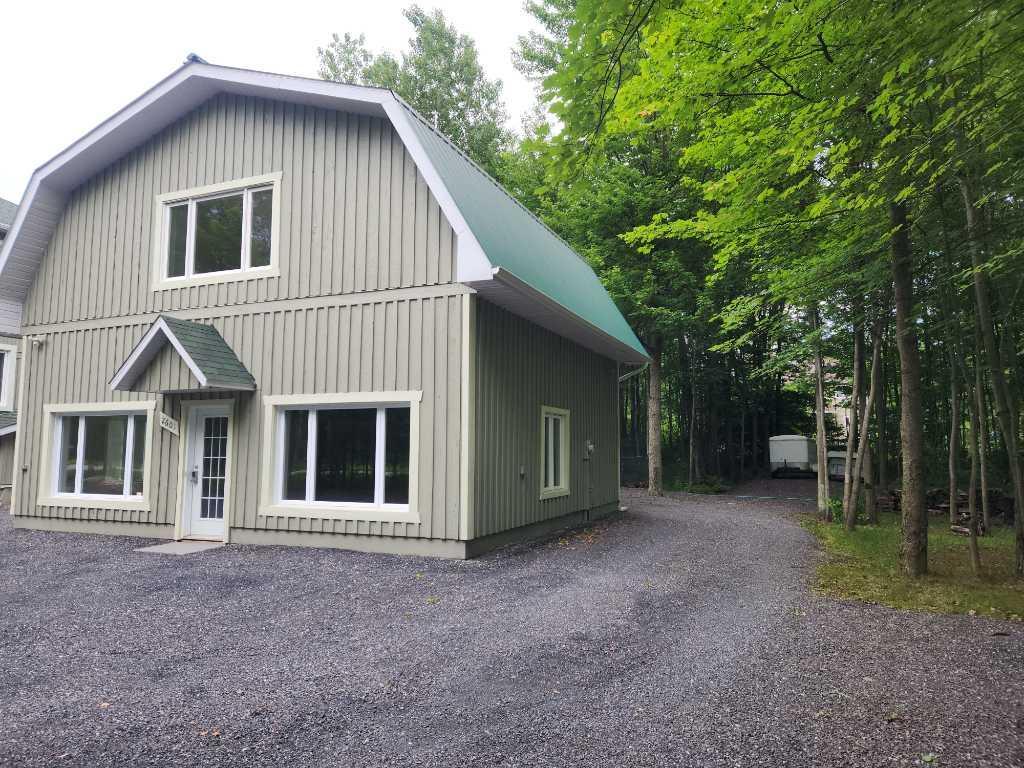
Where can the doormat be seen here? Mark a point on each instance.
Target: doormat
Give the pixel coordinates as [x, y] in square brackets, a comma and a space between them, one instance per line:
[181, 547]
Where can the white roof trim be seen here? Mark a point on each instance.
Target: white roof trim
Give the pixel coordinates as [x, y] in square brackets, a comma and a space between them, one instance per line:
[182, 90]
[5, 431]
[143, 355]
[196, 82]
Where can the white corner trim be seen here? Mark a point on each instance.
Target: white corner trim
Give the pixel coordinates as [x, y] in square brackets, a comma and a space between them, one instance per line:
[143, 354]
[467, 443]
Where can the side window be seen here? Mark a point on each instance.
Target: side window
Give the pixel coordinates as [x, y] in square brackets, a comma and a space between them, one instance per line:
[8, 356]
[554, 452]
[218, 233]
[100, 455]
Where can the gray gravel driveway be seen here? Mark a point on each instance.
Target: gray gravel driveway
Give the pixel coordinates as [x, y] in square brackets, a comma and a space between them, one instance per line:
[682, 633]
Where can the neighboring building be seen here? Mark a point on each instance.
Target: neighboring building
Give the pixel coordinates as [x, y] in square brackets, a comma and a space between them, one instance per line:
[267, 309]
[8, 364]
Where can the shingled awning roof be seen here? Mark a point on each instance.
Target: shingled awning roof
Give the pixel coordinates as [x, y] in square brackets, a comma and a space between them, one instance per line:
[8, 423]
[201, 347]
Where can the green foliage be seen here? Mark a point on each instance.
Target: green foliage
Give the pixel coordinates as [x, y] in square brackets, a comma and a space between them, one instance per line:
[439, 75]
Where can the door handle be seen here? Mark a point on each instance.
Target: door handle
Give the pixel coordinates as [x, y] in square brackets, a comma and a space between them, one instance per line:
[195, 475]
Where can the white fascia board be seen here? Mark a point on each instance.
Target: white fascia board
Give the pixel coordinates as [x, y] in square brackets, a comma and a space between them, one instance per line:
[5, 431]
[144, 353]
[472, 263]
[567, 323]
[182, 90]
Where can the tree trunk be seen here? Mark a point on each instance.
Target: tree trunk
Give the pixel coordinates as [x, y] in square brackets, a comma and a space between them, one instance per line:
[882, 419]
[824, 510]
[912, 501]
[863, 468]
[1004, 401]
[654, 467]
[979, 401]
[954, 438]
[692, 451]
[849, 478]
[972, 492]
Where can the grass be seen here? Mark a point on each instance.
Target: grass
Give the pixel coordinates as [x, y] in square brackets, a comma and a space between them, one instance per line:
[864, 565]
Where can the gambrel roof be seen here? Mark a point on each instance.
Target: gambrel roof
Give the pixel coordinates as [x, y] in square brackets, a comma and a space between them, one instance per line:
[503, 251]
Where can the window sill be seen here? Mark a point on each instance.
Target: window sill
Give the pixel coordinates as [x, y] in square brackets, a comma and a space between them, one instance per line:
[96, 502]
[553, 493]
[362, 512]
[216, 278]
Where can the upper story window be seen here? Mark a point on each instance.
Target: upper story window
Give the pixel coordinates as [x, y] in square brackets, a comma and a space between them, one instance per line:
[8, 357]
[219, 233]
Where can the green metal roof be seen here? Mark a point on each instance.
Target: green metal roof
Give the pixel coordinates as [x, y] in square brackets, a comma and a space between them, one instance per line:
[208, 350]
[514, 240]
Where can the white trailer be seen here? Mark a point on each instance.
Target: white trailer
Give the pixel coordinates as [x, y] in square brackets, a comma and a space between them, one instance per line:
[794, 453]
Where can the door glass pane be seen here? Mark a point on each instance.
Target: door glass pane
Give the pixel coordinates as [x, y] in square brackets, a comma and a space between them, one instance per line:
[176, 240]
[218, 234]
[103, 461]
[68, 453]
[138, 455]
[346, 441]
[396, 456]
[259, 242]
[215, 459]
[296, 428]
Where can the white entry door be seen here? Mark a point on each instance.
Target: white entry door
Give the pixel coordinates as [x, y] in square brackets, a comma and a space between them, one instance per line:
[206, 471]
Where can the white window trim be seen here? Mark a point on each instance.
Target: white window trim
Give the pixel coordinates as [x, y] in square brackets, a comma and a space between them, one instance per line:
[50, 450]
[562, 489]
[10, 351]
[271, 503]
[162, 215]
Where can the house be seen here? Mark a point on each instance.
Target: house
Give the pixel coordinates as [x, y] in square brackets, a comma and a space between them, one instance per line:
[273, 310]
[8, 365]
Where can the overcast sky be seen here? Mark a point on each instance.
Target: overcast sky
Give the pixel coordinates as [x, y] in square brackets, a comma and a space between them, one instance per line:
[68, 66]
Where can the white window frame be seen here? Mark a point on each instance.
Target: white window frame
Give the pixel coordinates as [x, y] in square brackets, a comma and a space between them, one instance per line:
[562, 489]
[275, 406]
[246, 187]
[7, 381]
[50, 455]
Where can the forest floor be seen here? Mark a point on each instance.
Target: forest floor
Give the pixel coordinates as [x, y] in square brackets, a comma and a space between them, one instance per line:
[684, 632]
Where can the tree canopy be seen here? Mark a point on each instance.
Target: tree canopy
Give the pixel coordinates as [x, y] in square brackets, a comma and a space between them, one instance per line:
[439, 75]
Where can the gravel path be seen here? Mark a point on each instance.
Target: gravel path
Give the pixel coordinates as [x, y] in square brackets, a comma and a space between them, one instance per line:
[682, 633]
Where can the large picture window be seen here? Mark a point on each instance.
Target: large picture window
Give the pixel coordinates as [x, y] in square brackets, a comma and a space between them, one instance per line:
[100, 454]
[345, 455]
[554, 452]
[224, 231]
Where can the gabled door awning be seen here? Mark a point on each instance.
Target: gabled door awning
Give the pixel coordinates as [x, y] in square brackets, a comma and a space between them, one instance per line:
[201, 348]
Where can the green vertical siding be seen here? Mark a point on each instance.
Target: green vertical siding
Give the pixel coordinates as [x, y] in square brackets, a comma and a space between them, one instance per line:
[519, 368]
[356, 215]
[366, 345]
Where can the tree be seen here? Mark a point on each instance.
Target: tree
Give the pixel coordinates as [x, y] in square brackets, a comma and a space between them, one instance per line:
[440, 76]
